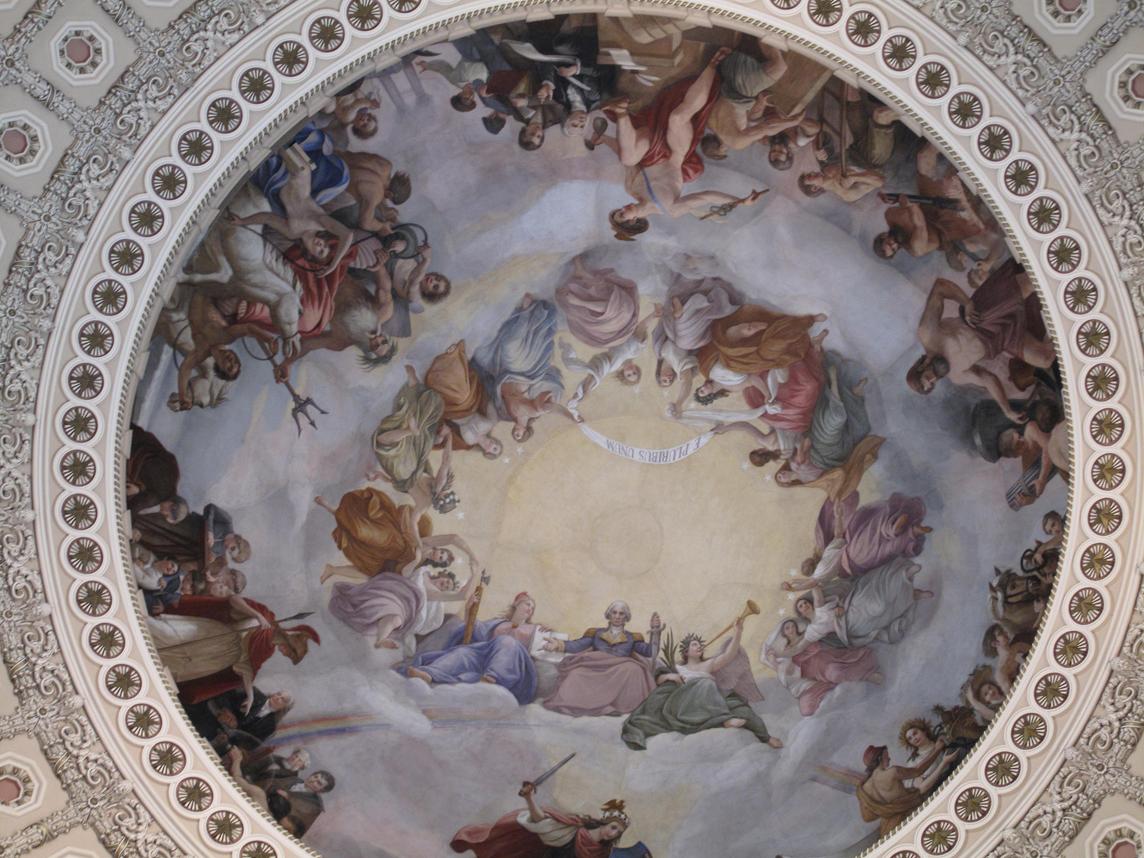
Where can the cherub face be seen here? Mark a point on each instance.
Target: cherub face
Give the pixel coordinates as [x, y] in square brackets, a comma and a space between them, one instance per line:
[365, 123]
[631, 373]
[915, 737]
[434, 285]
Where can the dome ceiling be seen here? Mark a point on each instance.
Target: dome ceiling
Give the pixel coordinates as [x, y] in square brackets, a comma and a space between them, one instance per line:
[578, 434]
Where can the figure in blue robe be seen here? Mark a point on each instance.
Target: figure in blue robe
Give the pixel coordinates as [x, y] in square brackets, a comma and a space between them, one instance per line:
[329, 178]
[502, 658]
[521, 354]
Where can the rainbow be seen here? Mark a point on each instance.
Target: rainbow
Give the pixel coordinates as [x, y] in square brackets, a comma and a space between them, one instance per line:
[300, 732]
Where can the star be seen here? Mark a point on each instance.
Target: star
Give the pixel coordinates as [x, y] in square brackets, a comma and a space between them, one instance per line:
[520, 451]
[460, 513]
[744, 466]
[780, 612]
[792, 572]
[507, 460]
[790, 597]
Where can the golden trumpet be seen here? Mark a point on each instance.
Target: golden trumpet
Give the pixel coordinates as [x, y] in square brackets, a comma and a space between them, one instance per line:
[750, 609]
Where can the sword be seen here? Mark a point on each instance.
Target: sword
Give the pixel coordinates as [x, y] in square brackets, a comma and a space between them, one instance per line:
[538, 781]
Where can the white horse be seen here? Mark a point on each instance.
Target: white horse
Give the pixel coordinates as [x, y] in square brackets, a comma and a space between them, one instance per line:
[236, 262]
[208, 390]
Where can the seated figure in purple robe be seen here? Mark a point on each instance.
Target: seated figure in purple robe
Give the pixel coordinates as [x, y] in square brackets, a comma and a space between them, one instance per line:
[851, 540]
[498, 654]
[609, 670]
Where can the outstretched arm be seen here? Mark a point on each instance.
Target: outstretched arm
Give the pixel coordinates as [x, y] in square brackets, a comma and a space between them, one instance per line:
[943, 290]
[728, 655]
[425, 255]
[446, 539]
[275, 222]
[189, 364]
[345, 240]
[695, 203]
[996, 390]
[686, 380]
[743, 426]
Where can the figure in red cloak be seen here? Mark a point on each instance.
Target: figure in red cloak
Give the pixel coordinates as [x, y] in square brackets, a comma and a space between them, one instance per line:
[212, 645]
[657, 148]
[545, 832]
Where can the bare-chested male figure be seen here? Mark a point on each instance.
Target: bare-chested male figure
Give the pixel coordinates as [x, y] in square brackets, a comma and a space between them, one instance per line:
[657, 148]
[991, 323]
[375, 187]
[212, 331]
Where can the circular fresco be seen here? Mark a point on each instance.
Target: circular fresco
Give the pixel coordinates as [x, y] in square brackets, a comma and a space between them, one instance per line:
[597, 436]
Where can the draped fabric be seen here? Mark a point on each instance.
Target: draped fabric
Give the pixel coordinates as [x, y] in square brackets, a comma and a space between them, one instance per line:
[418, 407]
[784, 340]
[655, 117]
[600, 683]
[373, 532]
[696, 704]
[998, 300]
[521, 353]
[454, 380]
[317, 298]
[509, 837]
[329, 177]
[494, 653]
[600, 307]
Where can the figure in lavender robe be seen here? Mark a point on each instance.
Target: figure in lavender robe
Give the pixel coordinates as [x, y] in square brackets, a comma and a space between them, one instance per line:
[872, 534]
[692, 306]
[498, 654]
[328, 179]
[600, 307]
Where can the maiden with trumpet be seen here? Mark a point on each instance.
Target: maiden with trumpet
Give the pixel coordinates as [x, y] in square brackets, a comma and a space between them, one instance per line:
[699, 693]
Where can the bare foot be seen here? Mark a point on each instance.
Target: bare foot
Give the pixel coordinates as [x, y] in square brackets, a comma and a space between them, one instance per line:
[327, 572]
[860, 387]
[527, 300]
[819, 337]
[488, 680]
[876, 678]
[385, 643]
[414, 673]
[923, 594]
[732, 723]
[774, 742]
[373, 474]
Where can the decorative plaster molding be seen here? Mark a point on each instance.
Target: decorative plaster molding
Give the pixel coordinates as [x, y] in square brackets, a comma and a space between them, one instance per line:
[130, 769]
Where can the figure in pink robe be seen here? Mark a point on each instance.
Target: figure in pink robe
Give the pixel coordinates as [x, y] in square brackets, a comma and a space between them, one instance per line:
[600, 307]
[811, 670]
